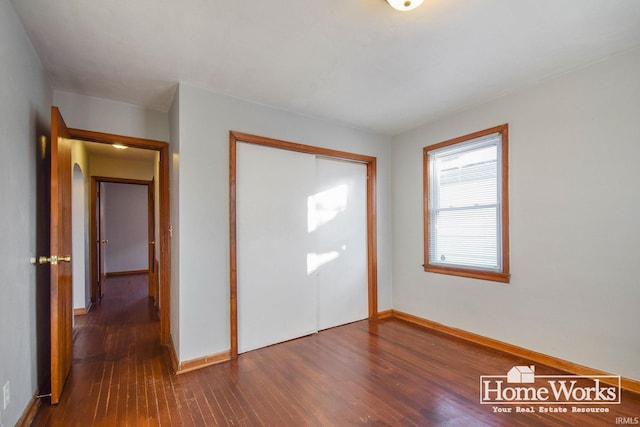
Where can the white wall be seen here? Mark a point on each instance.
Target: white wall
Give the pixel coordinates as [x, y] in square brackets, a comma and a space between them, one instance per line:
[126, 226]
[80, 227]
[575, 206]
[174, 185]
[103, 115]
[78, 233]
[205, 121]
[25, 98]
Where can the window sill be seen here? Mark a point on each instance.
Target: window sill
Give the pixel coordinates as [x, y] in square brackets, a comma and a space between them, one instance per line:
[475, 274]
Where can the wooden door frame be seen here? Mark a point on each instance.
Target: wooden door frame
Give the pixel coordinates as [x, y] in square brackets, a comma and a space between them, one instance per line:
[95, 183]
[164, 212]
[372, 252]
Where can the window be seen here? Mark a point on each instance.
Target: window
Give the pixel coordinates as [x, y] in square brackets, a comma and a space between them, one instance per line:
[466, 214]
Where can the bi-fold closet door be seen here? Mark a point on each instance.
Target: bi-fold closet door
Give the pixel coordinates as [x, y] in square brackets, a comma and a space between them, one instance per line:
[301, 244]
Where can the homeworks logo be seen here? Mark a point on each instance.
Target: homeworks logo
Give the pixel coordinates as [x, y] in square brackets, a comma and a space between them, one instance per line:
[522, 386]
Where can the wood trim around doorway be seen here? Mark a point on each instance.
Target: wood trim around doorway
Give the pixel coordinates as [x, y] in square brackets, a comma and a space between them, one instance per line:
[164, 212]
[372, 254]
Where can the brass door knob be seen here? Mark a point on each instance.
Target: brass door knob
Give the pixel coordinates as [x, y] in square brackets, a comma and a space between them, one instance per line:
[54, 259]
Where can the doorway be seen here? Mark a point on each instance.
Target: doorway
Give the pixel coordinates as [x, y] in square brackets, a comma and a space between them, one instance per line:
[161, 268]
[57, 176]
[123, 214]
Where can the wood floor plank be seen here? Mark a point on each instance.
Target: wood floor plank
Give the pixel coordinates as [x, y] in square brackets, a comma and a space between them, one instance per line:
[376, 373]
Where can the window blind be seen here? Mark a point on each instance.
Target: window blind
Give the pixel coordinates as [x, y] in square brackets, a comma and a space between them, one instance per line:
[464, 204]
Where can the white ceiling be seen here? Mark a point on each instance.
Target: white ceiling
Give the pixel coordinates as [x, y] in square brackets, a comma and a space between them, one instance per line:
[359, 62]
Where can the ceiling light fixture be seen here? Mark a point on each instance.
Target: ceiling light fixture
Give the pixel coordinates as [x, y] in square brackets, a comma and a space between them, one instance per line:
[404, 5]
[119, 146]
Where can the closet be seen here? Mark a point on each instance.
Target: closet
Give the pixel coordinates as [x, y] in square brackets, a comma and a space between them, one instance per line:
[301, 244]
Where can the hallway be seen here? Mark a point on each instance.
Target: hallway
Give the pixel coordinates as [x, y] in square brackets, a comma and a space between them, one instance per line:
[118, 368]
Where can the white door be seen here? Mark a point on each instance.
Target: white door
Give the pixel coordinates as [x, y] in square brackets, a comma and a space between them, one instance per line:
[301, 244]
[341, 228]
[276, 295]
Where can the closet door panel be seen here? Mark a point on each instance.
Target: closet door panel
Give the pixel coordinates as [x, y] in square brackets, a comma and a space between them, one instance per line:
[340, 226]
[277, 297]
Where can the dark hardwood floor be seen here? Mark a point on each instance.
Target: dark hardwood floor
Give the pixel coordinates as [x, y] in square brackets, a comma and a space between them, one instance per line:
[379, 373]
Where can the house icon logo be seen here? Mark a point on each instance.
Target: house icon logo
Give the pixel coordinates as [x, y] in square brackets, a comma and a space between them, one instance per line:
[521, 374]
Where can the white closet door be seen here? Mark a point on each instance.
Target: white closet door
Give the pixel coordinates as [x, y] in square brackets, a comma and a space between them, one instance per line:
[339, 220]
[277, 298]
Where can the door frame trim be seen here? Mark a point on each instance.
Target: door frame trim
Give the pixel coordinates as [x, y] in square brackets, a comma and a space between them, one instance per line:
[372, 252]
[164, 225]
